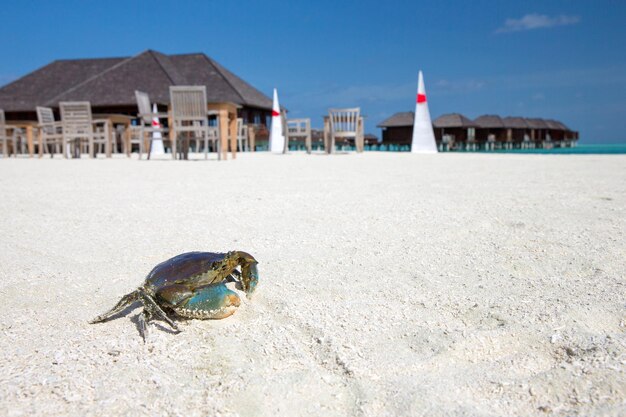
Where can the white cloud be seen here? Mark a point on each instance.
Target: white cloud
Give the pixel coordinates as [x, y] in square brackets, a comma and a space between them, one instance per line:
[536, 21]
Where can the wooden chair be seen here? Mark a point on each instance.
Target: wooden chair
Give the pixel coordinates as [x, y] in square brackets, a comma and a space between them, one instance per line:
[189, 117]
[145, 122]
[79, 128]
[242, 136]
[298, 128]
[134, 138]
[213, 133]
[17, 138]
[214, 130]
[4, 139]
[346, 123]
[50, 130]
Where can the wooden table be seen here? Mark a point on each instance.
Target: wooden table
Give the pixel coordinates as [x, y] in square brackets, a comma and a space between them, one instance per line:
[115, 119]
[30, 127]
[227, 116]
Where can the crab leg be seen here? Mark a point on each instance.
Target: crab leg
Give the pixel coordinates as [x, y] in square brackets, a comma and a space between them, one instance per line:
[151, 309]
[124, 302]
[154, 310]
[144, 319]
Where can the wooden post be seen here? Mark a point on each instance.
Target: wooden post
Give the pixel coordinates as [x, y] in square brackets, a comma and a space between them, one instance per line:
[233, 134]
[146, 143]
[251, 137]
[360, 136]
[29, 140]
[308, 139]
[126, 138]
[327, 140]
[40, 141]
[108, 132]
[170, 123]
[223, 116]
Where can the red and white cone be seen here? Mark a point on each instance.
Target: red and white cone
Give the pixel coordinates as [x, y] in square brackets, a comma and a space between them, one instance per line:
[277, 139]
[157, 139]
[423, 134]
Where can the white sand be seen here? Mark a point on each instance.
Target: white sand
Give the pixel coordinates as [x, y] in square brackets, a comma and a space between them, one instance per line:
[391, 284]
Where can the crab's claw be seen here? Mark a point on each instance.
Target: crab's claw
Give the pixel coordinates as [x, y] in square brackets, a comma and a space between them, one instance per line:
[249, 272]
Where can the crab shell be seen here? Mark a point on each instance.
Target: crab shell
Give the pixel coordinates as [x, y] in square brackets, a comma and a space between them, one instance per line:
[193, 284]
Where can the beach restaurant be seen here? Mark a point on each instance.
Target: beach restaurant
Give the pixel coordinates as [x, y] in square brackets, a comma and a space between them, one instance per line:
[109, 85]
[487, 132]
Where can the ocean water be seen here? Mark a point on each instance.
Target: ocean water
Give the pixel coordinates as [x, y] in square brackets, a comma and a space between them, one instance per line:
[580, 149]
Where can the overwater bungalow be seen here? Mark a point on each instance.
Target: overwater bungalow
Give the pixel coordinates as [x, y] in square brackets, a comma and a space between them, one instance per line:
[398, 129]
[491, 132]
[539, 132]
[559, 134]
[518, 132]
[487, 132]
[455, 131]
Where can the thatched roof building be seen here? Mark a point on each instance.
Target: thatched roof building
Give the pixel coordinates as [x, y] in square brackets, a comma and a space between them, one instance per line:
[515, 123]
[110, 83]
[398, 128]
[459, 129]
[536, 123]
[398, 120]
[555, 125]
[489, 121]
[453, 120]
[455, 126]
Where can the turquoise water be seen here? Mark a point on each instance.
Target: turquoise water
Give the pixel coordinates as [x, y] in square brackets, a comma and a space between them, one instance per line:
[580, 149]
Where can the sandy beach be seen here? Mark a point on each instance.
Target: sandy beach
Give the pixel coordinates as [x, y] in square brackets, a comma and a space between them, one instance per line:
[390, 285]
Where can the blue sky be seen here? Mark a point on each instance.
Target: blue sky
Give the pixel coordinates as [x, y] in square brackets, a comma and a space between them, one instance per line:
[558, 59]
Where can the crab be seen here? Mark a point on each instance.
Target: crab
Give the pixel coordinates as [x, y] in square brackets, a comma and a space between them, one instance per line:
[191, 285]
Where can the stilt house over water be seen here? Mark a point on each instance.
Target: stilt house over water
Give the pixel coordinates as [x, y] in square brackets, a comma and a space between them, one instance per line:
[488, 132]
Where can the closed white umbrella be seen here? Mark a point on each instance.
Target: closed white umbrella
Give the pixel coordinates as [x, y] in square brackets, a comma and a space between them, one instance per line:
[277, 139]
[423, 134]
[157, 139]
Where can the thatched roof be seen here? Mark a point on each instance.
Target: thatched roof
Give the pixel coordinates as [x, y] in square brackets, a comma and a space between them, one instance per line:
[552, 124]
[559, 125]
[515, 122]
[453, 120]
[536, 123]
[113, 81]
[489, 121]
[402, 119]
[555, 125]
